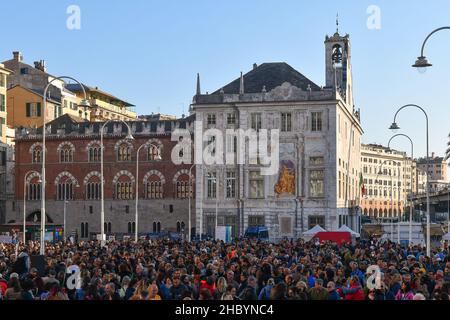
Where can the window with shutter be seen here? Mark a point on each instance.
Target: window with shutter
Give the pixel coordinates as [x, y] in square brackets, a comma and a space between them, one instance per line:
[28, 110]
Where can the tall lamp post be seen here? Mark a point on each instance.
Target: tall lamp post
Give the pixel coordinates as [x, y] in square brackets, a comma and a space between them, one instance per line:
[25, 202]
[380, 172]
[84, 103]
[158, 157]
[102, 210]
[395, 126]
[411, 193]
[422, 61]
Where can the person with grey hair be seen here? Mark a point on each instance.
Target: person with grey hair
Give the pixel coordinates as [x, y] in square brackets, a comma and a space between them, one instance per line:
[124, 286]
[110, 292]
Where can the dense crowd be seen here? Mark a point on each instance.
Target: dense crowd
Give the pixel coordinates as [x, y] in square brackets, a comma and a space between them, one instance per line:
[209, 270]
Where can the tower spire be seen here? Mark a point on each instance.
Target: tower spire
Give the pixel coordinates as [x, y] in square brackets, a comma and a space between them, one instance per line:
[198, 84]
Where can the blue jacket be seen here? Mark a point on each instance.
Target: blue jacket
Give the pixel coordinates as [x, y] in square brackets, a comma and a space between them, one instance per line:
[265, 292]
[333, 295]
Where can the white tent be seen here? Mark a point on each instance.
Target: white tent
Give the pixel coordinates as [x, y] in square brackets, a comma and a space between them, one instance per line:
[312, 232]
[344, 228]
[446, 236]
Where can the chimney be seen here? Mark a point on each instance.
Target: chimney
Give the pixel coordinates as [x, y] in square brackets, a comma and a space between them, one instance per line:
[40, 65]
[255, 66]
[433, 155]
[17, 56]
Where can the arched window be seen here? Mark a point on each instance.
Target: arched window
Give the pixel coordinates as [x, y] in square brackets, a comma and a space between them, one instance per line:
[36, 157]
[131, 227]
[158, 227]
[124, 191]
[153, 153]
[107, 227]
[337, 54]
[124, 152]
[84, 230]
[94, 154]
[153, 188]
[154, 227]
[182, 187]
[123, 183]
[34, 190]
[93, 190]
[65, 151]
[64, 188]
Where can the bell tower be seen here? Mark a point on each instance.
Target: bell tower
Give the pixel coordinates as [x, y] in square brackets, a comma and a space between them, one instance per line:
[338, 72]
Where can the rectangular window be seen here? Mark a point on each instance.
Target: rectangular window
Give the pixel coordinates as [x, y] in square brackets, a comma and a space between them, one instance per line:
[2, 103]
[28, 110]
[286, 122]
[256, 221]
[212, 185]
[316, 182]
[316, 121]
[211, 119]
[231, 118]
[2, 80]
[316, 220]
[231, 184]
[91, 209]
[256, 121]
[256, 183]
[231, 143]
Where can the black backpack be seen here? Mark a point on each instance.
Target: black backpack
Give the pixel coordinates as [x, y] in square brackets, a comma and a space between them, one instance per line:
[20, 265]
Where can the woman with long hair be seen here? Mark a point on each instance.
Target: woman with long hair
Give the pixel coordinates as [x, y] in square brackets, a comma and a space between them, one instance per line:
[221, 288]
[405, 292]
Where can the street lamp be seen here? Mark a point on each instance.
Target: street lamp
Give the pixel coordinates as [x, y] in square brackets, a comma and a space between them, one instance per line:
[158, 157]
[394, 126]
[380, 172]
[84, 103]
[411, 192]
[102, 210]
[422, 61]
[25, 202]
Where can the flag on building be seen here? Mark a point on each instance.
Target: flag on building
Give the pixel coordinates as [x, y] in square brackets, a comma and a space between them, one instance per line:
[361, 185]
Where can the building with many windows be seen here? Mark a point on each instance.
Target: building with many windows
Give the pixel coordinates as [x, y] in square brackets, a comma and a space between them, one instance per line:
[389, 176]
[73, 155]
[319, 149]
[437, 172]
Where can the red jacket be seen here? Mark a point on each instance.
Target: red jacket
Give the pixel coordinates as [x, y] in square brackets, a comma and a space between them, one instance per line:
[3, 287]
[355, 292]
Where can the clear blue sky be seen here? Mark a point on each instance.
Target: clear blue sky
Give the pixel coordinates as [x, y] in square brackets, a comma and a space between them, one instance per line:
[148, 52]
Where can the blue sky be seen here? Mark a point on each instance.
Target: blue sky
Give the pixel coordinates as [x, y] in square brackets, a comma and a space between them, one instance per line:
[148, 52]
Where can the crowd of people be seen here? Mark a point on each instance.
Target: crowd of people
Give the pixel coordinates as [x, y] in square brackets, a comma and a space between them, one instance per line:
[213, 270]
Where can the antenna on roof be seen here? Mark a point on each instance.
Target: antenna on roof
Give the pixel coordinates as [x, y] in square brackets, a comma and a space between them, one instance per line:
[337, 22]
[241, 84]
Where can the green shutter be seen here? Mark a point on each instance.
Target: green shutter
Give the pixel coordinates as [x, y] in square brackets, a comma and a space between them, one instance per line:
[38, 109]
[28, 108]
[2, 103]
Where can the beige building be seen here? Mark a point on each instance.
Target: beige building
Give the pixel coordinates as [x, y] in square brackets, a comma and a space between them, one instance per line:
[389, 177]
[104, 106]
[437, 172]
[4, 73]
[67, 96]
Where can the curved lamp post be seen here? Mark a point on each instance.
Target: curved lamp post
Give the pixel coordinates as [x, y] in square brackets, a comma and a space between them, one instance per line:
[422, 61]
[395, 126]
[84, 103]
[102, 210]
[136, 227]
[380, 172]
[412, 159]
